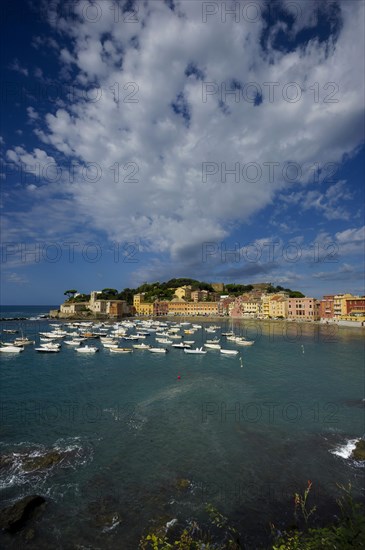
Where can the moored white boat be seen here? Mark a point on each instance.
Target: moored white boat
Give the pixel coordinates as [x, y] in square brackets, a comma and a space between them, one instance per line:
[87, 349]
[158, 350]
[245, 342]
[163, 340]
[110, 345]
[229, 351]
[121, 350]
[23, 341]
[212, 346]
[181, 345]
[47, 349]
[141, 346]
[196, 351]
[73, 342]
[11, 349]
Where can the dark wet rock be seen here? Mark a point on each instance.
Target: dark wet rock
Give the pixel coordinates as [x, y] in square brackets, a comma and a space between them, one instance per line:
[105, 514]
[5, 461]
[359, 452]
[13, 518]
[40, 462]
[29, 535]
[183, 484]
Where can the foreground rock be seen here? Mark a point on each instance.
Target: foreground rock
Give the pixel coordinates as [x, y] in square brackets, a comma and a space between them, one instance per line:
[359, 452]
[41, 462]
[13, 518]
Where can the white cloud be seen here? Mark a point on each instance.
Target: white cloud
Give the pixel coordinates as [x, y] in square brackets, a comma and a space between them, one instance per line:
[32, 114]
[15, 66]
[16, 278]
[138, 72]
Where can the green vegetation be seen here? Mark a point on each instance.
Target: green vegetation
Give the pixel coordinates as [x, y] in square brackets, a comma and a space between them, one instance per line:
[70, 293]
[237, 290]
[79, 298]
[166, 291]
[292, 293]
[346, 533]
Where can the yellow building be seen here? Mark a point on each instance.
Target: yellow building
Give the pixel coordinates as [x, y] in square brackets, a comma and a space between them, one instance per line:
[145, 308]
[142, 307]
[251, 306]
[183, 292]
[339, 305]
[181, 307]
[265, 306]
[278, 307]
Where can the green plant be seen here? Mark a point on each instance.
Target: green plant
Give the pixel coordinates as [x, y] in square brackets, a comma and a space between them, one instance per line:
[347, 533]
[301, 503]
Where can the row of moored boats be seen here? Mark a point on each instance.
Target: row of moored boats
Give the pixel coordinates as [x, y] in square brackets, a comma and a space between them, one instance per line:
[174, 335]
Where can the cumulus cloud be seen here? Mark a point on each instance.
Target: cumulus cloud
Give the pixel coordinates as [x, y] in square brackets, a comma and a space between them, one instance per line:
[167, 105]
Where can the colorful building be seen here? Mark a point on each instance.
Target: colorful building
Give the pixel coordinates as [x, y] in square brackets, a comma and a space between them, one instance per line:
[183, 292]
[305, 309]
[326, 307]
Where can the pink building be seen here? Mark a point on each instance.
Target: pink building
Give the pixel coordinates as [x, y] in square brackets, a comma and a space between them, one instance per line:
[305, 309]
[326, 309]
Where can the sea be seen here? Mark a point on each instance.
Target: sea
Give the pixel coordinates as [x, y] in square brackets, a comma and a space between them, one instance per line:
[148, 441]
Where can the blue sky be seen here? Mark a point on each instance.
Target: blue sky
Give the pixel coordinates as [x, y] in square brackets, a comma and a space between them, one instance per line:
[141, 141]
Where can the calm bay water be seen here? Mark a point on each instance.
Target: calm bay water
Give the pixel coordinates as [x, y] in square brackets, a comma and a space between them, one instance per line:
[245, 437]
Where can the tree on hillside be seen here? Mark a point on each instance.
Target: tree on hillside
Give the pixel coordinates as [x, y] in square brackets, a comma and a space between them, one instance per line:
[108, 294]
[127, 295]
[70, 293]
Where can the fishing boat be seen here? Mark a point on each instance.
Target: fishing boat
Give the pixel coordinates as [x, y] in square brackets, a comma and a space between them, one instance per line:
[141, 346]
[181, 345]
[11, 349]
[50, 345]
[229, 351]
[121, 350]
[110, 345]
[23, 341]
[164, 340]
[87, 349]
[212, 346]
[196, 351]
[245, 342]
[47, 349]
[158, 350]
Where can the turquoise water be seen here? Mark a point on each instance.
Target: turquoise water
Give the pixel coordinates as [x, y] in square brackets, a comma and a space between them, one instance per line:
[245, 437]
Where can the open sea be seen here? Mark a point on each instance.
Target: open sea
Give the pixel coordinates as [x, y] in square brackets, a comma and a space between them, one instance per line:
[141, 447]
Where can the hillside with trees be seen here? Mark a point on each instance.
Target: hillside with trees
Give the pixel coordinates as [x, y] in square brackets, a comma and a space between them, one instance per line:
[166, 291]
